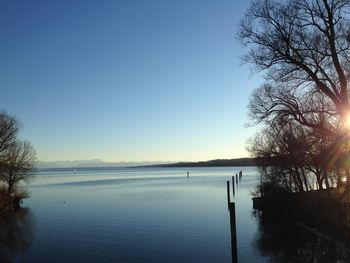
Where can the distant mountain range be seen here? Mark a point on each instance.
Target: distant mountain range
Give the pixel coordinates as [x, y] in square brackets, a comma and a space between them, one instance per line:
[92, 163]
[101, 164]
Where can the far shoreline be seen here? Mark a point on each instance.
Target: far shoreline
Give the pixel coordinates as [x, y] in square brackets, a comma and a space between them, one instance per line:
[239, 162]
[211, 163]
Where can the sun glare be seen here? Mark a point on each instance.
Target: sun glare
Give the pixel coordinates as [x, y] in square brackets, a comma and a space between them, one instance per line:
[347, 121]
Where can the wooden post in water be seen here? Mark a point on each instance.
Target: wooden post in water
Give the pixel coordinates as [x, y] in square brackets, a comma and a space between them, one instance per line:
[233, 185]
[236, 178]
[188, 174]
[228, 193]
[232, 209]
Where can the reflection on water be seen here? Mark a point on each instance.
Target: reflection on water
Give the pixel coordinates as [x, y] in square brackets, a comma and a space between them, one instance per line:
[16, 233]
[284, 241]
[232, 211]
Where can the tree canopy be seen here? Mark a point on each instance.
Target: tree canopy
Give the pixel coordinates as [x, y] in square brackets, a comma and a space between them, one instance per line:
[303, 46]
[17, 162]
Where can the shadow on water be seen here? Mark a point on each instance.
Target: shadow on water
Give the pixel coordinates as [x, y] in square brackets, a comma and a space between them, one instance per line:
[16, 233]
[282, 240]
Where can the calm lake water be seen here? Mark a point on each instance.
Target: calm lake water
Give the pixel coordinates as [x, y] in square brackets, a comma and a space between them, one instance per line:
[136, 215]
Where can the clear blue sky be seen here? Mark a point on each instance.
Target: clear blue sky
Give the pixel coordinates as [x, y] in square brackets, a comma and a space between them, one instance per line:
[126, 80]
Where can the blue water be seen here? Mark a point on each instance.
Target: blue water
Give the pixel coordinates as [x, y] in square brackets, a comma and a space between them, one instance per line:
[136, 215]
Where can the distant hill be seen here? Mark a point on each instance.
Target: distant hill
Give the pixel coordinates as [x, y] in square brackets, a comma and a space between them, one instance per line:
[212, 163]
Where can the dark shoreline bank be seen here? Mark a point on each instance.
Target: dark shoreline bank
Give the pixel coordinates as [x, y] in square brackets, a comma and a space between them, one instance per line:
[211, 163]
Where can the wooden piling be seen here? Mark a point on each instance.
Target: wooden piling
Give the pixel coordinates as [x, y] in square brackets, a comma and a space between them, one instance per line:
[233, 185]
[232, 209]
[228, 193]
[236, 178]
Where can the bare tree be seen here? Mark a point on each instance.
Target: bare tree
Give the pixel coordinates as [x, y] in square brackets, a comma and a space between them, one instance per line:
[304, 48]
[18, 164]
[303, 44]
[282, 152]
[270, 104]
[9, 127]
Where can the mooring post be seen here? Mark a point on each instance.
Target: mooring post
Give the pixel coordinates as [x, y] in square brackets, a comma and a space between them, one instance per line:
[233, 185]
[233, 232]
[228, 193]
[188, 174]
[236, 178]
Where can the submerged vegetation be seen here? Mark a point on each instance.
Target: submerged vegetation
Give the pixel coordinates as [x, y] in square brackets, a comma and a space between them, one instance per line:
[304, 48]
[17, 163]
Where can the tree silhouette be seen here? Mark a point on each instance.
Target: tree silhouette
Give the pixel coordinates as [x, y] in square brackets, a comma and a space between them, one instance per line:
[303, 46]
[17, 162]
[9, 128]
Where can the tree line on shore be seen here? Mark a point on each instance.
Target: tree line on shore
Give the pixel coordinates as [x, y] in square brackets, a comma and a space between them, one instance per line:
[211, 163]
[17, 163]
[303, 108]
